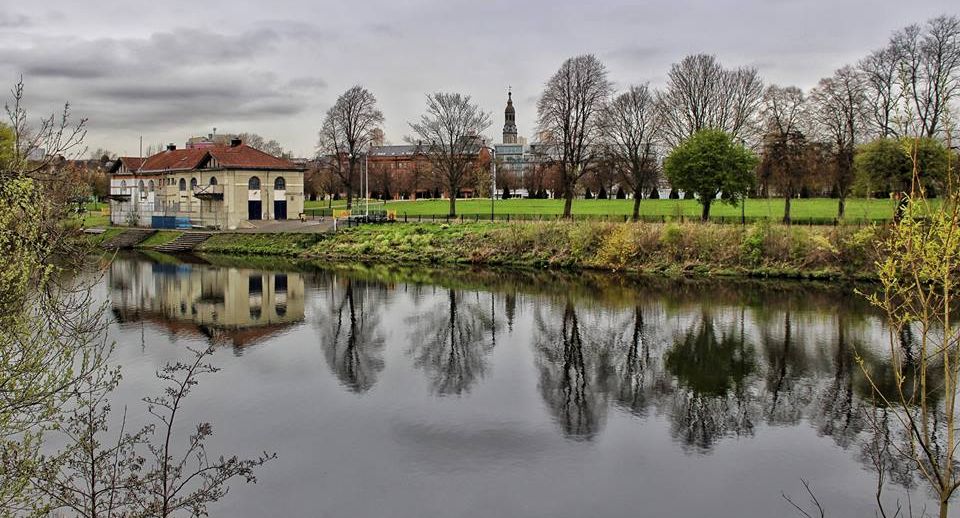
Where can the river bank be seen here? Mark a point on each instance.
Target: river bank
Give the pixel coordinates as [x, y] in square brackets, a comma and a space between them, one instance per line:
[672, 249]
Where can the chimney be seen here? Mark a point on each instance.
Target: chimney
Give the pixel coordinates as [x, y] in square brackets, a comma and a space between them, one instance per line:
[171, 147]
[235, 142]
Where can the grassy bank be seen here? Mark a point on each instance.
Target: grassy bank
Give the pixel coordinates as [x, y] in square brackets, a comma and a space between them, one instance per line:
[674, 249]
[858, 209]
[284, 245]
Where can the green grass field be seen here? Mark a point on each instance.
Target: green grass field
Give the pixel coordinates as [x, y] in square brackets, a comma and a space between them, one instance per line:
[818, 208]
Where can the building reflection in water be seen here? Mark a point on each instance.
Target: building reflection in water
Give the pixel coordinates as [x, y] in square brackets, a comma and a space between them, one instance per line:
[226, 305]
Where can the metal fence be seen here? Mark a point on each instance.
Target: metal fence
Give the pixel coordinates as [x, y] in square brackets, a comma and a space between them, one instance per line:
[613, 218]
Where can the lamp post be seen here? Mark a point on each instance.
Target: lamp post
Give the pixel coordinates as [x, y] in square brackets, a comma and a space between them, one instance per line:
[493, 177]
[366, 176]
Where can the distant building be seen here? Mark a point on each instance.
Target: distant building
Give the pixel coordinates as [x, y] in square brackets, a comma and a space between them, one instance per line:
[222, 187]
[211, 140]
[509, 121]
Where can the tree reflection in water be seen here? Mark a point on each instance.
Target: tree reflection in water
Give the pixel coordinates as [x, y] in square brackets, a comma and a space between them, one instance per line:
[584, 363]
[451, 342]
[711, 400]
[350, 336]
[714, 368]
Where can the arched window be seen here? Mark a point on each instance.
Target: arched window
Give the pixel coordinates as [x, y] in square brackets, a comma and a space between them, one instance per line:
[151, 186]
[142, 188]
[193, 183]
[254, 183]
[213, 180]
[123, 184]
[279, 184]
[183, 184]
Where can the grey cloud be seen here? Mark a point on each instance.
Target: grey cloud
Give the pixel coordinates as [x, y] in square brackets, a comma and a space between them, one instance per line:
[14, 21]
[635, 54]
[166, 79]
[308, 83]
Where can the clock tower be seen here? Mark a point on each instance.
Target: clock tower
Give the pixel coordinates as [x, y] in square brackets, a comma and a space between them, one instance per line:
[510, 121]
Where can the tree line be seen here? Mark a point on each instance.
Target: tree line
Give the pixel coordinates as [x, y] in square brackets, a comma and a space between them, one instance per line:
[849, 134]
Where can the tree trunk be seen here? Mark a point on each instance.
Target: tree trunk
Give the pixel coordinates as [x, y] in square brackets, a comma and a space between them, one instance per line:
[349, 184]
[636, 206]
[705, 215]
[841, 207]
[786, 209]
[568, 204]
[453, 203]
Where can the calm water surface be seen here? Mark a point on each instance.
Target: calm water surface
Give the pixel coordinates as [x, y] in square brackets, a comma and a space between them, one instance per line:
[412, 393]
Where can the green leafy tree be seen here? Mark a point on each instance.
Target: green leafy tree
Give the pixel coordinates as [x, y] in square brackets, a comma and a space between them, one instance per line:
[882, 165]
[887, 165]
[710, 163]
[917, 292]
[51, 332]
[7, 138]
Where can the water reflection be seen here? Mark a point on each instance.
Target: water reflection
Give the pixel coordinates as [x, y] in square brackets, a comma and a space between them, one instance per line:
[421, 378]
[713, 366]
[348, 320]
[225, 305]
[450, 341]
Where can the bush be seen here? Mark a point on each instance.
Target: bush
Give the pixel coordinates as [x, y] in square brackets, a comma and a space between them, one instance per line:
[752, 247]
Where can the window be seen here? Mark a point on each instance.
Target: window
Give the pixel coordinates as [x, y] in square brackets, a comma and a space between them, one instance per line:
[280, 283]
[193, 184]
[142, 188]
[213, 180]
[151, 186]
[183, 184]
[279, 184]
[254, 183]
[255, 285]
[123, 184]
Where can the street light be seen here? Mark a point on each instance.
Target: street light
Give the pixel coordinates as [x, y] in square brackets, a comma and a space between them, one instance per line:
[366, 179]
[493, 177]
[365, 184]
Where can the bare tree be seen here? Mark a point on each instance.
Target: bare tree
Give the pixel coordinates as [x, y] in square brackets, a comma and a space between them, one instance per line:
[271, 147]
[631, 131]
[38, 147]
[702, 94]
[450, 130]
[930, 65]
[570, 112]
[881, 74]
[838, 104]
[784, 161]
[347, 132]
[190, 480]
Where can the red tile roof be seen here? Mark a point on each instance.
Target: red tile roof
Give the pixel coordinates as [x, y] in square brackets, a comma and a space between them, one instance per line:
[174, 160]
[132, 164]
[229, 157]
[246, 157]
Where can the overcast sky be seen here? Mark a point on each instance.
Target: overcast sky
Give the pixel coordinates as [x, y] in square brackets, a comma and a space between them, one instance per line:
[170, 70]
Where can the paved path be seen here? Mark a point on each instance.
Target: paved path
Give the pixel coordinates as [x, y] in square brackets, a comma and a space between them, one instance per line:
[262, 227]
[288, 226]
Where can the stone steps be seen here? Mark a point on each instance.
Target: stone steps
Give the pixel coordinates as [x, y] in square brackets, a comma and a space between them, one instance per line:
[128, 238]
[185, 242]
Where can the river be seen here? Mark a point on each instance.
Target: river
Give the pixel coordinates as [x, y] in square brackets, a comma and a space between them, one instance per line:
[461, 393]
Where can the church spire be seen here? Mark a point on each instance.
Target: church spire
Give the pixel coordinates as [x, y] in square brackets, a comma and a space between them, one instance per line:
[509, 120]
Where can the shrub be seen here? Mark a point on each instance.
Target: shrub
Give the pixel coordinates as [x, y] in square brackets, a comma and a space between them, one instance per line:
[752, 247]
